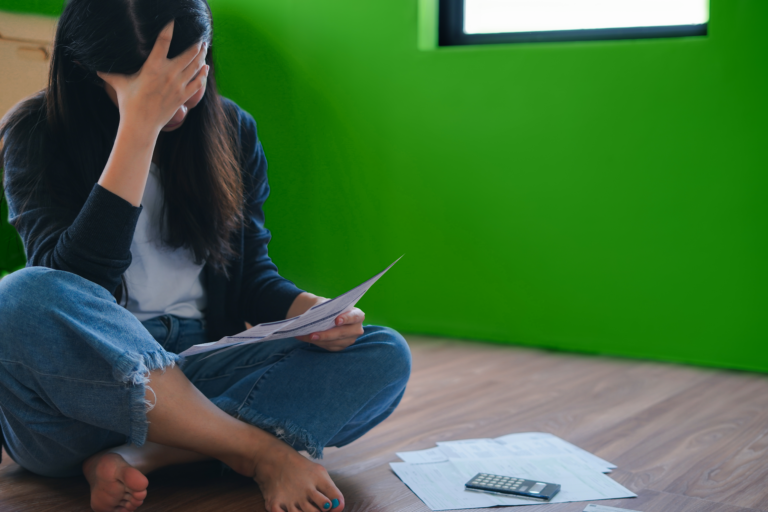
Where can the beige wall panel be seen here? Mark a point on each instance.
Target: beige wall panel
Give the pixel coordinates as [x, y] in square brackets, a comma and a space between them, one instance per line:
[27, 27]
[25, 46]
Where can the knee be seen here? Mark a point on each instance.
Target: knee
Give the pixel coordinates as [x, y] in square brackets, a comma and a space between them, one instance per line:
[15, 288]
[29, 296]
[393, 353]
[35, 290]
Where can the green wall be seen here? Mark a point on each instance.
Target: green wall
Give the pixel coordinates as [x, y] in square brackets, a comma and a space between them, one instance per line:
[45, 7]
[11, 250]
[597, 196]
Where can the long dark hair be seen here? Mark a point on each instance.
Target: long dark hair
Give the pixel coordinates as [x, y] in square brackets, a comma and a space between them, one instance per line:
[74, 119]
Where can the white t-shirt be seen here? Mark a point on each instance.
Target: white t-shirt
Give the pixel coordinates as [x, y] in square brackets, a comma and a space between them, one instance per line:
[161, 280]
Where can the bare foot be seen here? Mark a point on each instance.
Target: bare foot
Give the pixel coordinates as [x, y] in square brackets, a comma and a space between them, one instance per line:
[116, 486]
[290, 482]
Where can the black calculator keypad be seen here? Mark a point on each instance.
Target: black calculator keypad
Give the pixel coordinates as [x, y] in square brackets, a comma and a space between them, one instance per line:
[499, 483]
[511, 486]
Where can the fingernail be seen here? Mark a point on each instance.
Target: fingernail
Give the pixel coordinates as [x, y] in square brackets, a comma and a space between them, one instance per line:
[335, 503]
[315, 337]
[339, 321]
[327, 506]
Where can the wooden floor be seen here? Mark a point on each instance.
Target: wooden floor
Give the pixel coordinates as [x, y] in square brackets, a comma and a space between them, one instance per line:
[685, 439]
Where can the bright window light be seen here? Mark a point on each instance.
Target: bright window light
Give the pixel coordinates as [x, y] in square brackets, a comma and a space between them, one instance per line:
[497, 16]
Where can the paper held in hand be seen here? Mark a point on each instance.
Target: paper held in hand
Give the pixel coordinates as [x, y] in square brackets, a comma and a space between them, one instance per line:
[318, 318]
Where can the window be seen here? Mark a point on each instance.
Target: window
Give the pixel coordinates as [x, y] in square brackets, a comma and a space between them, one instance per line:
[510, 21]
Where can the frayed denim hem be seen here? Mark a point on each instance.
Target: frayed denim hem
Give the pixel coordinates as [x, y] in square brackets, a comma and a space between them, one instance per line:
[284, 430]
[132, 369]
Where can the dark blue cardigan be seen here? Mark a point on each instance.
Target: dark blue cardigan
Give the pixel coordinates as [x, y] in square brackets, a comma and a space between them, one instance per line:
[95, 241]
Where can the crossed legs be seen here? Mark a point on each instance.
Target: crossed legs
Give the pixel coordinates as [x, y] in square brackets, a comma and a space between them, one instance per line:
[76, 370]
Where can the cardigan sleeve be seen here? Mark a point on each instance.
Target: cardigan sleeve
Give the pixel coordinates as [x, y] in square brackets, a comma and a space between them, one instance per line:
[93, 242]
[266, 296]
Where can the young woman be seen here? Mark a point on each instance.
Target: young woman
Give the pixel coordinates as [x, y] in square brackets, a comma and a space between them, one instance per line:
[138, 193]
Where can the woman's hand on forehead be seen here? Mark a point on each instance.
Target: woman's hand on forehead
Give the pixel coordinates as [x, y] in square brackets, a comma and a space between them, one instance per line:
[153, 95]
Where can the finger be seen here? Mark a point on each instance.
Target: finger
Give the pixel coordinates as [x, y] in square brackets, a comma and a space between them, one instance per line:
[163, 43]
[338, 346]
[355, 316]
[337, 333]
[198, 83]
[333, 345]
[194, 67]
[187, 57]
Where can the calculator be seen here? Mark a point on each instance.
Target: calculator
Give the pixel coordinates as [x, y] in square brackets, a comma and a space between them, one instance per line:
[512, 487]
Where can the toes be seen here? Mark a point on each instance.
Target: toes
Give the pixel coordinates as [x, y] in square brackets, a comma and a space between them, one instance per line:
[116, 486]
[135, 480]
[104, 498]
[277, 507]
[320, 500]
[336, 498]
[135, 499]
[309, 506]
[130, 504]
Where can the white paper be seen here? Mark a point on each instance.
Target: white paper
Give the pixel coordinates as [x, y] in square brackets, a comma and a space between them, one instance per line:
[542, 443]
[252, 335]
[318, 318]
[429, 456]
[441, 485]
[603, 508]
[521, 445]
[578, 481]
[475, 449]
[323, 316]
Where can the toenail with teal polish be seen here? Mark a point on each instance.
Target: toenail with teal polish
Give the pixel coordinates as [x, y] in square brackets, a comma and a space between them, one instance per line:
[327, 506]
[335, 503]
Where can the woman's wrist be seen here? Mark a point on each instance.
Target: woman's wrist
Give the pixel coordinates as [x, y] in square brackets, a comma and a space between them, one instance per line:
[303, 302]
[125, 174]
[138, 129]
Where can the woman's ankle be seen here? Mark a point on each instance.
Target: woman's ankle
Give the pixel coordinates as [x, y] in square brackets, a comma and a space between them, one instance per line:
[153, 456]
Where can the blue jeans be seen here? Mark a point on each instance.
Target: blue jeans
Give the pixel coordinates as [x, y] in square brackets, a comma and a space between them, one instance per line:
[74, 364]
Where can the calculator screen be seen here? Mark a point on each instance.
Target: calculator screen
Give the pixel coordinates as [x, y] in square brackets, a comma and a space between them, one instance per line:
[537, 487]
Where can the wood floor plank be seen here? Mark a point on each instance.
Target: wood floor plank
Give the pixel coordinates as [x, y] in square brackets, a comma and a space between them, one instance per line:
[668, 445]
[686, 439]
[732, 474]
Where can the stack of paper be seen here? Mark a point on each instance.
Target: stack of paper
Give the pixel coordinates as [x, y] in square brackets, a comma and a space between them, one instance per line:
[437, 475]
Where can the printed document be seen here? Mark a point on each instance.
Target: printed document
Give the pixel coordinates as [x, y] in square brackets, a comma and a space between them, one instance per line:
[440, 485]
[512, 445]
[437, 475]
[318, 318]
